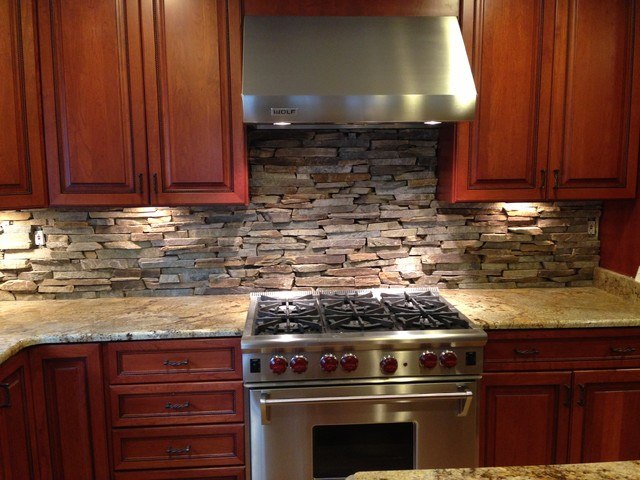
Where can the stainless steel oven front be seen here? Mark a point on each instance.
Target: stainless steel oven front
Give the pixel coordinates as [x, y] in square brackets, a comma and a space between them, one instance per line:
[321, 432]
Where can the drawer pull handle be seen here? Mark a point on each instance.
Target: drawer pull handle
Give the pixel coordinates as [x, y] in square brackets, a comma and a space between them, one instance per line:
[7, 402]
[172, 363]
[532, 351]
[178, 451]
[624, 350]
[177, 406]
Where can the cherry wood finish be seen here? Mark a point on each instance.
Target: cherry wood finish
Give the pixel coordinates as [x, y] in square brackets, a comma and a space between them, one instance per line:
[505, 148]
[171, 404]
[18, 459]
[596, 99]
[226, 473]
[510, 350]
[193, 361]
[558, 113]
[352, 7]
[22, 169]
[93, 102]
[524, 418]
[620, 237]
[606, 416]
[176, 447]
[70, 412]
[193, 86]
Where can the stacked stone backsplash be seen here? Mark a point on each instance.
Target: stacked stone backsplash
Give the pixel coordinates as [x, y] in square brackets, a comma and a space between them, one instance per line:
[330, 209]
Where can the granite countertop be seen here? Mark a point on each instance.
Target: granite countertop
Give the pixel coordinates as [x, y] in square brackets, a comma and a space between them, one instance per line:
[585, 471]
[23, 324]
[584, 307]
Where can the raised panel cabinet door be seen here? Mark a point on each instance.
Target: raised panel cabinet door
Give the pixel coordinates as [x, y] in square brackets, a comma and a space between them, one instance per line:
[22, 170]
[524, 418]
[18, 458]
[70, 412]
[596, 100]
[192, 73]
[93, 102]
[502, 154]
[606, 416]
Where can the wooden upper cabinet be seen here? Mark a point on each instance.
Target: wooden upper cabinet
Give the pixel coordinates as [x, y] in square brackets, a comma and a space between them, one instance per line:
[596, 99]
[93, 102]
[22, 172]
[193, 86]
[558, 112]
[352, 7]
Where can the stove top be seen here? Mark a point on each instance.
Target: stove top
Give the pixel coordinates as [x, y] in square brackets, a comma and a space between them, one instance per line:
[357, 334]
[354, 311]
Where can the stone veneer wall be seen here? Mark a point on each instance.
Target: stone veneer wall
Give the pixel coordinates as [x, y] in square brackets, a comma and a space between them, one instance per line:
[332, 209]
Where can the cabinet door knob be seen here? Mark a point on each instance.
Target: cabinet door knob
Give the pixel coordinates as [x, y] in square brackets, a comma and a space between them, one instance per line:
[155, 183]
[178, 451]
[556, 179]
[582, 400]
[543, 179]
[177, 406]
[7, 396]
[623, 351]
[173, 363]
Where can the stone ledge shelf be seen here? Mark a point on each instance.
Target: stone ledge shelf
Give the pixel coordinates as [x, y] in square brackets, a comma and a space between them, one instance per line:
[585, 471]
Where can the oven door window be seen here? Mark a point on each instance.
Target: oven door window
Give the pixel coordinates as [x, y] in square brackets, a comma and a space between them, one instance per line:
[342, 450]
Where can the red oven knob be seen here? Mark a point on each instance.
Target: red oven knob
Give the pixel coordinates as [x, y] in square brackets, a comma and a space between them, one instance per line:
[278, 364]
[299, 364]
[349, 362]
[448, 359]
[389, 364]
[329, 362]
[428, 359]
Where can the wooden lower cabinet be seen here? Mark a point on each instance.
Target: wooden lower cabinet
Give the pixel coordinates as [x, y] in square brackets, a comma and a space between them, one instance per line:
[606, 416]
[564, 396]
[229, 473]
[524, 418]
[18, 459]
[70, 412]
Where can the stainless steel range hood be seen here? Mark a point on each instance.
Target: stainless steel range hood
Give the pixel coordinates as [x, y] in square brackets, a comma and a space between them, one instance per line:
[355, 70]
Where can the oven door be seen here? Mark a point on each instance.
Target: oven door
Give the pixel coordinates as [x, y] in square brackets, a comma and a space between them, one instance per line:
[332, 432]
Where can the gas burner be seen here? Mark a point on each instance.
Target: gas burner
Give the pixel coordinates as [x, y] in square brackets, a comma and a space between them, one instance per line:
[276, 316]
[355, 312]
[422, 311]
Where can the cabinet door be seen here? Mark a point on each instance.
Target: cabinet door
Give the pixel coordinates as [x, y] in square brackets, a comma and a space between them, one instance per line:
[93, 102]
[606, 416]
[502, 154]
[192, 71]
[18, 460]
[596, 99]
[524, 418]
[22, 174]
[70, 412]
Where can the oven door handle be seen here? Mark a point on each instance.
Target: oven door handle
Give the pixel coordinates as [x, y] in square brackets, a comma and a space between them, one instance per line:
[464, 396]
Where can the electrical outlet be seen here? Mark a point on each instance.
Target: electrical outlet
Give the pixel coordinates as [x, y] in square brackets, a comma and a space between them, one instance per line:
[592, 227]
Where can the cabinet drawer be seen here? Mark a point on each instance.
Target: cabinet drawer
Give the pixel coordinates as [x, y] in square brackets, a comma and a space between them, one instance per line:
[174, 361]
[545, 349]
[176, 404]
[178, 447]
[224, 473]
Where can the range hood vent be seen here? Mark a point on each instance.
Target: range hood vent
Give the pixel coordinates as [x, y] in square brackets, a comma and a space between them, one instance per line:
[355, 70]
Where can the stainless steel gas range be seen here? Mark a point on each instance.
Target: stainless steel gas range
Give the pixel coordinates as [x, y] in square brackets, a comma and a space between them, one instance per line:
[345, 381]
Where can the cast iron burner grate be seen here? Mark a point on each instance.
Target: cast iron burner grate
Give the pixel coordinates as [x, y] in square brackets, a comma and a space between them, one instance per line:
[422, 311]
[287, 315]
[355, 312]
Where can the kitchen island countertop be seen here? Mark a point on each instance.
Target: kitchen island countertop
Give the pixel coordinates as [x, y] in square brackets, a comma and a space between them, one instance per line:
[586, 471]
[27, 323]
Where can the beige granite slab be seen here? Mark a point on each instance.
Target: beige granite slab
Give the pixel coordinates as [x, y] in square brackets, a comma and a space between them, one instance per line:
[585, 307]
[584, 471]
[621, 285]
[23, 324]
